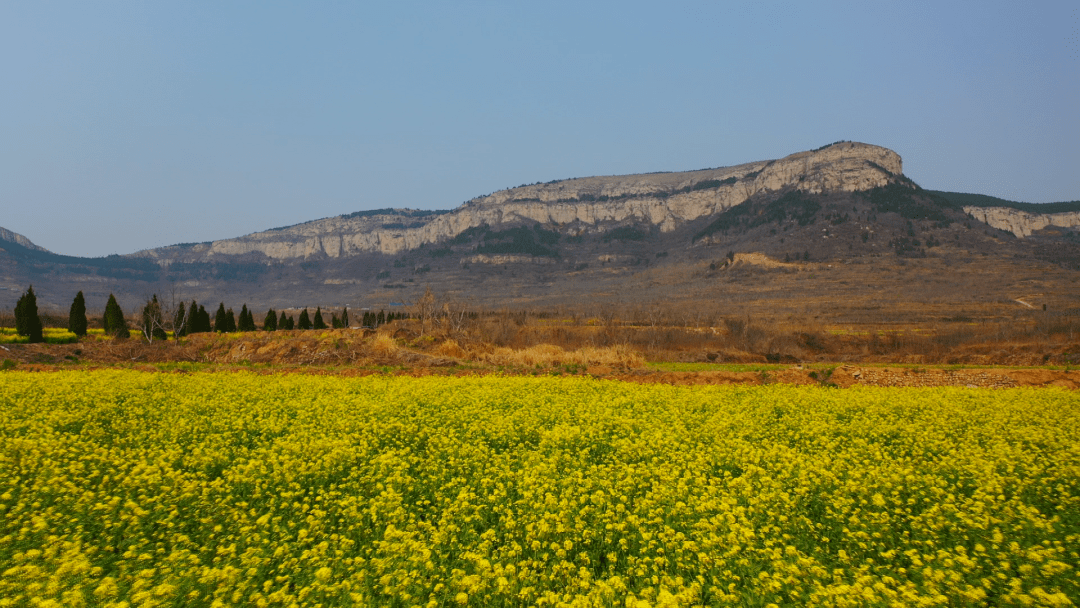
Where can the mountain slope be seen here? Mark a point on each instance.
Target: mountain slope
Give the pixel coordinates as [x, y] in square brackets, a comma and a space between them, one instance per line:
[830, 230]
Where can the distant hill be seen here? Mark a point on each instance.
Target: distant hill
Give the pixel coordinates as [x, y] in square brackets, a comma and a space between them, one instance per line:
[983, 200]
[718, 238]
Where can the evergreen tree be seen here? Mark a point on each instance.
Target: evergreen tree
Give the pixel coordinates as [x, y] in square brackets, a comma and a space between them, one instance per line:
[114, 323]
[192, 319]
[380, 319]
[247, 320]
[220, 324]
[270, 322]
[204, 320]
[27, 321]
[345, 317]
[304, 322]
[283, 322]
[180, 322]
[317, 322]
[77, 316]
[230, 321]
[334, 321]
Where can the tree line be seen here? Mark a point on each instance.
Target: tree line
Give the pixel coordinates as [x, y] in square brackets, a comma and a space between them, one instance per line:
[158, 319]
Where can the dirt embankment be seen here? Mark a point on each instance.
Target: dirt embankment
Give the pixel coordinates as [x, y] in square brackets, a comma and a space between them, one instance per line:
[349, 352]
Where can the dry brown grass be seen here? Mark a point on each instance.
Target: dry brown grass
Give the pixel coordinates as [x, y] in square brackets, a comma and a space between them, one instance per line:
[450, 348]
[550, 355]
[384, 344]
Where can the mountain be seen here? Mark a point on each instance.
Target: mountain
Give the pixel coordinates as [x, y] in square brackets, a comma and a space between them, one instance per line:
[18, 239]
[826, 230]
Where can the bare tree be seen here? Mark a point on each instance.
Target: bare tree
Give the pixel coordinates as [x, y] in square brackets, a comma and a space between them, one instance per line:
[425, 309]
[160, 317]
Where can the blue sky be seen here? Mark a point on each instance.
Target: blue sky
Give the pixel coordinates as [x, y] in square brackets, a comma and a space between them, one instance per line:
[129, 125]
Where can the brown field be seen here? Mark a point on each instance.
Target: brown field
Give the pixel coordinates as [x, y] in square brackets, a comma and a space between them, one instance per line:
[677, 345]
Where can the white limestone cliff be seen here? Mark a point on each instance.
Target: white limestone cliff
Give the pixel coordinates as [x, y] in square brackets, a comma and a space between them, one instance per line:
[665, 200]
[1023, 223]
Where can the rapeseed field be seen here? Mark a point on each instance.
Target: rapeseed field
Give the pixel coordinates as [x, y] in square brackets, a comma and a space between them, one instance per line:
[122, 488]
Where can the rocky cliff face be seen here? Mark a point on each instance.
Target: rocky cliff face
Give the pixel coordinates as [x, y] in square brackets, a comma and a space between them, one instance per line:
[1022, 223]
[14, 237]
[665, 200]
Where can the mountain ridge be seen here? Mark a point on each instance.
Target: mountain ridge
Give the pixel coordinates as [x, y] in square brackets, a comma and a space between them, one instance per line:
[572, 241]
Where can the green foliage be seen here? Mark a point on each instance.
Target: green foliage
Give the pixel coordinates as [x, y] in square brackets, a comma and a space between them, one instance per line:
[230, 321]
[221, 323]
[345, 317]
[77, 316]
[842, 141]
[27, 321]
[521, 239]
[625, 233]
[792, 206]
[909, 202]
[113, 321]
[317, 322]
[304, 322]
[713, 183]
[270, 323]
[246, 321]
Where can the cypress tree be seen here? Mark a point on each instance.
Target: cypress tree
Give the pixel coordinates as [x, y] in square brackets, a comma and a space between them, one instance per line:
[304, 322]
[220, 324]
[230, 321]
[246, 321]
[283, 322]
[317, 322]
[27, 321]
[270, 322]
[204, 320]
[334, 321]
[180, 322]
[345, 317]
[114, 323]
[77, 316]
[380, 319]
[192, 319]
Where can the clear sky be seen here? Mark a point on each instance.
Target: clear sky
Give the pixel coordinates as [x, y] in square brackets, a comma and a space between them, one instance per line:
[129, 125]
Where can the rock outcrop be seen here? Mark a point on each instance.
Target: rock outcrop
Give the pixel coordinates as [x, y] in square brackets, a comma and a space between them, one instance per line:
[1023, 223]
[665, 200]
[18, 239]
